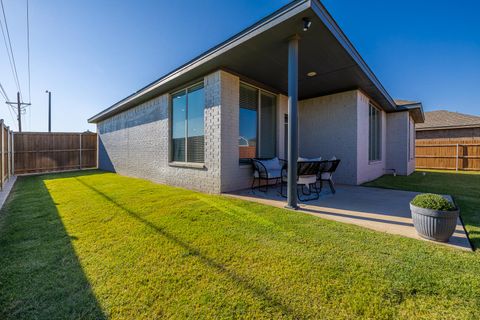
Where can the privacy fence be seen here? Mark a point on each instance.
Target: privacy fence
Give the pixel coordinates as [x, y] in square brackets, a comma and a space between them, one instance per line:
[36, 152]
[6, 170]
[449, 154]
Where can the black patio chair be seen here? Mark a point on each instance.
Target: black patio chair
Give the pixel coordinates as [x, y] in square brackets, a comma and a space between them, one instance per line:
[325, 173]
[266, 169]
[306, 178]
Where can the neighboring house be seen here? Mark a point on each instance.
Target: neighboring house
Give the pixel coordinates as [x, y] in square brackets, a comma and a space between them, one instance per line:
[194, 126]
[444, 124]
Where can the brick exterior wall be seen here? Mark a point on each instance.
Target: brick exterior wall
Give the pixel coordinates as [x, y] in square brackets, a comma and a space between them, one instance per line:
[327, 128]
[136, 142]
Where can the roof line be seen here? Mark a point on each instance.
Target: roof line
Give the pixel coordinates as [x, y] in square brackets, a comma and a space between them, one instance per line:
[183, 68]
[249, 32]
[467, 126]
[335, 29]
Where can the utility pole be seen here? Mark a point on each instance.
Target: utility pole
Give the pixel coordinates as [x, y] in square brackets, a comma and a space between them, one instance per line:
[49, 110]
[19, 110]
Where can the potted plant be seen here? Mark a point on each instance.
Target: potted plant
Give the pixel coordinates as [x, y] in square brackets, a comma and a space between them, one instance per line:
[434, 217]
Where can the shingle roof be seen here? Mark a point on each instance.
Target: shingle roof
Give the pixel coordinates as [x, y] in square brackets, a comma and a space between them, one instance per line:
[442, 119]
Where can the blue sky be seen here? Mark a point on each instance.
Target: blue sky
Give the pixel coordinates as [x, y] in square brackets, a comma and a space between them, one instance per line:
[91, 54]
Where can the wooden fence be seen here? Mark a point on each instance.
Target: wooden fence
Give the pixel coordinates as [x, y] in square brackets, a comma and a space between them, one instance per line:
[46, 152]
[6, 170]
[449, 154]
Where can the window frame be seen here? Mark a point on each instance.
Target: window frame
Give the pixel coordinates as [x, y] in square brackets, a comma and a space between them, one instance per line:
[411, 139]
[185, 163]
[258, 124]
[379, 127]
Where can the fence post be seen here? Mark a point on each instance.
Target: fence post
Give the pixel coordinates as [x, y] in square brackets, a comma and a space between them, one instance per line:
[80, 159]
[2, 175]
[8, 152]
[12, 158]
[456, 162]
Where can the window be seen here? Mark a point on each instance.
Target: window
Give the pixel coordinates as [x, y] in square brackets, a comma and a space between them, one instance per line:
[257, 123]
[188, 125]
[374, 133]
[411, 139]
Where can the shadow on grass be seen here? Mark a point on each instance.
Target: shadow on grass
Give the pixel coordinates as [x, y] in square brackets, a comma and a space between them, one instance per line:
[40, 275]
[260, 292]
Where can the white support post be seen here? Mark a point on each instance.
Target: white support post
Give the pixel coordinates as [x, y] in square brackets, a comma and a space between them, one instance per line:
[80, 158]
[456, 162]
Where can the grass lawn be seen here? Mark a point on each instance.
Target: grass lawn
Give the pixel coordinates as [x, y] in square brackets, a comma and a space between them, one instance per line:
[96, 245]
[463, 186]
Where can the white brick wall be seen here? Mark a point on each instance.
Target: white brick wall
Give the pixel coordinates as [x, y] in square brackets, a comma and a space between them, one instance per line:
[136, 142]
[366, 170]
[398, 124]
[327, 128]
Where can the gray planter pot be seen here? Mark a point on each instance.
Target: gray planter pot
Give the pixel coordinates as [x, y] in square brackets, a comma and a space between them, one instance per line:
[434, 225]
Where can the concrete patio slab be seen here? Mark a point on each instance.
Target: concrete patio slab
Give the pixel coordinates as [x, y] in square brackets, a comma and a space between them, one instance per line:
[382, 210]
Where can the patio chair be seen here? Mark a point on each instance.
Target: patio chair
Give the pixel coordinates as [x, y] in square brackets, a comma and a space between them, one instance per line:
[325, 173]
[306, 178]
[266, 169]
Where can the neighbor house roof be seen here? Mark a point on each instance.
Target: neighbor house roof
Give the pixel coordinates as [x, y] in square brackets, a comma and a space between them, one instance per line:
[260, 52]
[443, 119]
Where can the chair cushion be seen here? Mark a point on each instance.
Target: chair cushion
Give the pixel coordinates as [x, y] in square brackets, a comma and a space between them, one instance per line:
[302, 159]
[272, 164]
[271, 174]
[310, 179]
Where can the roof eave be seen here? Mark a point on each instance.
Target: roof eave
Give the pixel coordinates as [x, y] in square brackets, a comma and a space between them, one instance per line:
[262, 25]
[415, 110]
[330, 23]
[268, 22]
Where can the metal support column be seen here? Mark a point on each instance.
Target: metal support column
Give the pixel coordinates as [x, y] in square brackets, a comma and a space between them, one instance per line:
[292, 122]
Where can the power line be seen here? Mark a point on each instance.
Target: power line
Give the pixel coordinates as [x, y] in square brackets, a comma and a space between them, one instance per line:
[13, 65]
[28, 53]
[5, 96]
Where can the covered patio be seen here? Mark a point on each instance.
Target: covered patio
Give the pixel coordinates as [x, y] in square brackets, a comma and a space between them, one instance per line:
[378, 209]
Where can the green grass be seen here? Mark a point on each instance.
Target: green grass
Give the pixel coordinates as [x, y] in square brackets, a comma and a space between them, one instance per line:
[96, 245]
[463, 186]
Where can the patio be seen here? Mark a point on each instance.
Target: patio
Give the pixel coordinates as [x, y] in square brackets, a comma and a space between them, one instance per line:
[378, 209]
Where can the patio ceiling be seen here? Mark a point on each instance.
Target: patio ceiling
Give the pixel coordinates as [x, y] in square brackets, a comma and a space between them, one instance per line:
[260, 53]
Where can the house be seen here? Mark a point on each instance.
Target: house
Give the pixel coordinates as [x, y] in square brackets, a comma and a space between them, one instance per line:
[447, 125]
[197, 126]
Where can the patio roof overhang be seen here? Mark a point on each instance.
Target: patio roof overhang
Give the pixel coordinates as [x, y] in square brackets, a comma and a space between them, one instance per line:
[260, 52]
[415, 110]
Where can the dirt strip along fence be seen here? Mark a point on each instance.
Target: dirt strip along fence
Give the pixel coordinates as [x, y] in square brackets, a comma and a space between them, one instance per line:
[448, 154]
[6, 141]
[36, 152]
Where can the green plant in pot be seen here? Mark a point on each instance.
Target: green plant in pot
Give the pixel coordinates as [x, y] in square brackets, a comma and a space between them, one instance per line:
[434, 217]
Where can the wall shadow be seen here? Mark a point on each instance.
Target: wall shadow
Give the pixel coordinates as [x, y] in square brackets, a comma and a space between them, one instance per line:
[104, 160]
[40, 274]
[259, 291]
